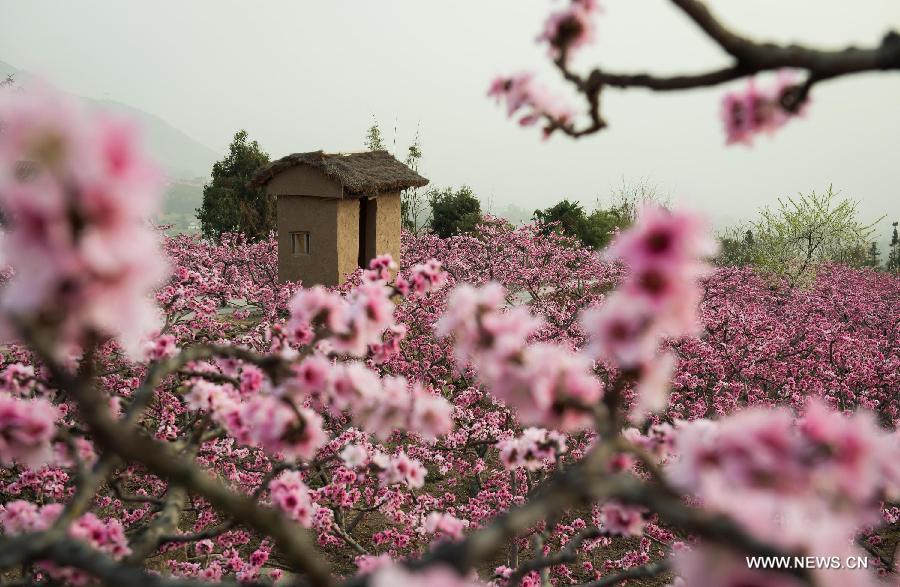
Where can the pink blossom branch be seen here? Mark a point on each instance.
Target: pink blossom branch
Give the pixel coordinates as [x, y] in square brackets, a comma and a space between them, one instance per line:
[568, 554]
[127, 442]
[74, 553]
[586, 483]
[750, 57]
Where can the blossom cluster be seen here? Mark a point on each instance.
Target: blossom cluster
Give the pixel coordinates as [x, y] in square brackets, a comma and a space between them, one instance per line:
[355, 323]
[806, 484]
[352, 383]
[658, 298]
[752, 111]
[532, 450]
[290, 494]
[546, 384]
[571, 28]
[27, 427]
[106, 536]
[522, 92]
[77, 194]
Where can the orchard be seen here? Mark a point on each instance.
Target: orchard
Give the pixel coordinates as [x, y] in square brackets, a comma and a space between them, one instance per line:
[503, 408]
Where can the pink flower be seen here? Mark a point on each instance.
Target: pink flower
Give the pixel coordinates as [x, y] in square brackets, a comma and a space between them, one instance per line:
[556, 388]
[616, 518]
[252, 379]
[381, 267]
[534, 449]
[106, 536]
[369, 313]
[211, 573]
[311, 375]
[291, 495]
[160, 347]
[276, 427]
[26, 430]
[314, 308]
[474, 319]
[353, 385]
[444, 524]
[431, 416]
[15, 378]
[212, 397]
[749, 112]
[400, 469]
[653, 387]
[426, 277]
[571, 28]
[659, 297]
[367, 563]
[660, 237]
[354, 456]
[523, 92]
[621, 329]
[19, 516]
[84, 257]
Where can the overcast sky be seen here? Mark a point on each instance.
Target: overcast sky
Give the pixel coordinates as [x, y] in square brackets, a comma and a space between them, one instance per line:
[302, 75]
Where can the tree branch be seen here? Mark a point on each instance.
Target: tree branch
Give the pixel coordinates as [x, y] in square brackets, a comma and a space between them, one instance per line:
[750, 57]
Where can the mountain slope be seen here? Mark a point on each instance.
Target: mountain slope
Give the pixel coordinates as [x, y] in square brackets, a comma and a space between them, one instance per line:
[180, 155]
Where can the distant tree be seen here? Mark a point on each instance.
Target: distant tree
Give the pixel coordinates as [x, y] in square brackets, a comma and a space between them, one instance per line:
[566, 217]
[229, 205]
[801, 232]
[454, 212]
[874, 257]
[374, 141]
[737, 247]
[594, 230]
[893, 260]
[413, 204]
[629, 196]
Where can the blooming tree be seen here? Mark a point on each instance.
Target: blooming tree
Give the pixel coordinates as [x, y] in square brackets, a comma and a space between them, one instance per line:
[758, 108]
[506, 408]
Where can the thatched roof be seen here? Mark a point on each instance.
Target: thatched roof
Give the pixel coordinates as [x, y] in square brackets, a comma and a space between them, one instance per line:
[369, 172]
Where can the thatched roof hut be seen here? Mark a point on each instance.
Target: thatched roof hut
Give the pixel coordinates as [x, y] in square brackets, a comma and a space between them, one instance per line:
[365, 173]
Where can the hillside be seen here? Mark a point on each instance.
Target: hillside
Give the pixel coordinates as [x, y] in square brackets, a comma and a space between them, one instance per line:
[186, 160]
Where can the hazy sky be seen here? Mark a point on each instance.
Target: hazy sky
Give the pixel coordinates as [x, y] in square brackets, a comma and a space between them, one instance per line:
[302, 75]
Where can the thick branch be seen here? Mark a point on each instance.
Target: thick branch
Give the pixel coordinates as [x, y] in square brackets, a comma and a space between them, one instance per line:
[750, 57]
[67, 552]
[126, 441]
[647, 571]
[731, 42]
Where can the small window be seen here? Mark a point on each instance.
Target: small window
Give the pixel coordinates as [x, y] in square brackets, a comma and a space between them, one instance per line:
[299, 243]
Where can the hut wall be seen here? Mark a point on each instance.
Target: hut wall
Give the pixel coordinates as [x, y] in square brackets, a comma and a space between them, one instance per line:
[387, 231]
[319, 217]
[347, 238]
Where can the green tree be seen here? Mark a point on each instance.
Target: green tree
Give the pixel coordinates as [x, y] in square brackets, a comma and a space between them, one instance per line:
[893, 260]
[873, 259]
[801, 232]
[454, 212]
[412, 203]
[374, 141]
[594, 230]
[229, 204]
[737, 247]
